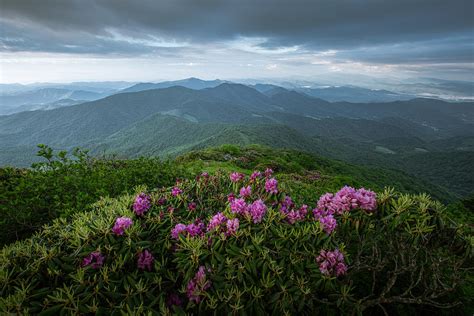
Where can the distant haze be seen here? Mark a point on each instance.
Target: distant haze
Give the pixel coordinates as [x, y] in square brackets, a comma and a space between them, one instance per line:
[332, 40]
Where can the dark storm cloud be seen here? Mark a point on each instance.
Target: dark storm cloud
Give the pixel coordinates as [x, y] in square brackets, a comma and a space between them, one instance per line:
[85, 26]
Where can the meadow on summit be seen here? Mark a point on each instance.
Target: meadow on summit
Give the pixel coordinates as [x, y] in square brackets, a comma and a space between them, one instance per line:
[239, 242]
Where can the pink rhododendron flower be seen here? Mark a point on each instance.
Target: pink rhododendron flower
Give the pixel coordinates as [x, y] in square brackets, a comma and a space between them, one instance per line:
[178, 229]
[142, 204]
[145, 260]
[268, 173]
[287, 204]
[255, 175]
[366, 199]
[230, 197]
[331, 263]
[239, 206]
[216, 221]
[257, 210]
[345, 200]
[246, 191]
[271, 186]
[121, 224]
[232, 226]
[328, 223]
[236, 176]
[198, 285]
[293, 215]
[176, 191]
[196, 229]
[95, 260]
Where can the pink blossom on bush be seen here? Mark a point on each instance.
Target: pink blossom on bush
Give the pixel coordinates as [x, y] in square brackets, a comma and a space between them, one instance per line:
[294, 216]
[255, 175]
[142, 204]
[196, 229]
[287, 204]
[331, 263]
[239, 206]
[175, 191]
[198, 285]
[95, 260]
[328, 223]
[325, 203]
[271, 186]
[232, 226]
[366, 199]
[345, 200]
[230, 197]
[178, 229]
[216, 221]
[236, 176]
[246, 191]
[121, 224]
[145, 260]
[268, 173]
[257, 210]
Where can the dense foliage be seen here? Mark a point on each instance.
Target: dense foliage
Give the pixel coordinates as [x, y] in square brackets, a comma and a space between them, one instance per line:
[241, 244]
[62, 185]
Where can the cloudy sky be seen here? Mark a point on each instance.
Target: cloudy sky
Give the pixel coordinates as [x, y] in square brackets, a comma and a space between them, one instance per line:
[148, 40]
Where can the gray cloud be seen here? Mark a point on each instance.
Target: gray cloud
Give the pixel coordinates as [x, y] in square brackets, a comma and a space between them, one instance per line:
[411, 32]
[316, 24]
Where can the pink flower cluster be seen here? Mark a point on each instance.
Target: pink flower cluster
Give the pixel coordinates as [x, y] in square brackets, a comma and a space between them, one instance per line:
[194, 229]
[331, 263]
[142, 204]
[236, 176]
[145, 260]
[175, 191]
[268, 173]
[293, 215]
[271, 186]
[328, 223]
[95, 260]
[221, 223]
[232, 226]
[121, 224]
[246, 191]
[217, 221]
[198, 285]
[255, 175]
[345, 200]
[256, 210]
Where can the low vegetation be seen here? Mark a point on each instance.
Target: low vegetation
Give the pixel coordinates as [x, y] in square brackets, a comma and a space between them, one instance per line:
[243, 244]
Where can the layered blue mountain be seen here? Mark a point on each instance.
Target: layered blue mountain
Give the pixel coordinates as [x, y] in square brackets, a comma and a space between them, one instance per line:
[173, 120]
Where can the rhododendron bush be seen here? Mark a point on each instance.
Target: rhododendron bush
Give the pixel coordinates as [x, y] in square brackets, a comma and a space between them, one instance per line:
[239, 244]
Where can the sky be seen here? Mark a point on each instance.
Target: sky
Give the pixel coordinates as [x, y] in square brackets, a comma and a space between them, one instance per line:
[147, 40]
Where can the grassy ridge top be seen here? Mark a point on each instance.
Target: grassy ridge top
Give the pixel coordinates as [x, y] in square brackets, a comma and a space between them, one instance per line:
[63, 186]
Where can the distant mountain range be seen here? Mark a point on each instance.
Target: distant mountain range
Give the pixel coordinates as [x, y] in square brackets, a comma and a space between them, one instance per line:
[45, 96]
[408, 135]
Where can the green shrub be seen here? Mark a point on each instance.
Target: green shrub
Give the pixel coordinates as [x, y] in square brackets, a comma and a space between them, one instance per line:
[404, 257]
[61, 186]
